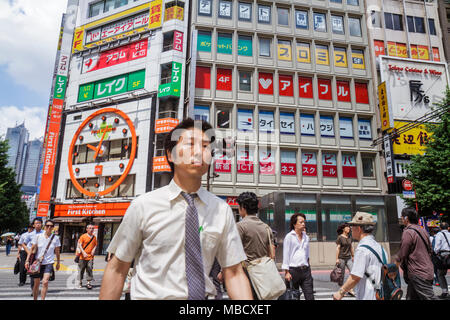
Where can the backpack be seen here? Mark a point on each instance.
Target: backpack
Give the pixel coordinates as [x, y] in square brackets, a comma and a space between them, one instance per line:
[389, 287]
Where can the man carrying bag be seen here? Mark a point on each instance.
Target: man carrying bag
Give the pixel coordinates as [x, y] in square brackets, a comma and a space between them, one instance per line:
[86, 245]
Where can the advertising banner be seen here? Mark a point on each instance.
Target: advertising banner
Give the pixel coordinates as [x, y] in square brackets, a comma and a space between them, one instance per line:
[346, 127]
[203, 78]
[222, 163]
[165, 125]
[174, 87]
[266, 121]
[326, 126]
[387, 121]
[287, 123]
[411, 142]
[343, 91]
[305, 87]
[286, 85]
[178, 41]
[245, 120]
[266, 162]
[309, 164]
[340, 57]
[160, 164]
[224, 79]
[265, 83]
[307, 124]
[364, 129]
[288, 163]
[284, 51]
[349, 166]
[245, 160]
[322, 55]
[329, 165]
[324, 89]
[303, 52]
[389, 159]
[92, 209]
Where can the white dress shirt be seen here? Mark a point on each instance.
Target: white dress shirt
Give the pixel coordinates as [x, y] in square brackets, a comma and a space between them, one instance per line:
[295, 253]
[30, 237]
[440, 242]
[153, 233]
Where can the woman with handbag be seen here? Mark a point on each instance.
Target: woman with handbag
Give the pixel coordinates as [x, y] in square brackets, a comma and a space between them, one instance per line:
[41, 257]
[344, 253]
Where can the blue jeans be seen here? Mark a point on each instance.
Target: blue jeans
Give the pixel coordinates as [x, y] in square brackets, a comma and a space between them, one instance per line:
[8, 249]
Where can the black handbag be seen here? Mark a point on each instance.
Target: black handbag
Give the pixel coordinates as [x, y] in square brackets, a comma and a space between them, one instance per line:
[336, 274]
[17, 266]
[291, 293]
[52, 275]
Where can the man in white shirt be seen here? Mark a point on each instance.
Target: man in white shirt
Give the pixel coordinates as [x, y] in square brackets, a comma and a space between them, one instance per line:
[442, 247]
[22, 255]
[174, 233]
[366, 266]
[27, 242]
[296, 256]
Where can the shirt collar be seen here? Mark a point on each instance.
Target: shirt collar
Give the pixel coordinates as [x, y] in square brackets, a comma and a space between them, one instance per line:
[175, 190]
[368, 238]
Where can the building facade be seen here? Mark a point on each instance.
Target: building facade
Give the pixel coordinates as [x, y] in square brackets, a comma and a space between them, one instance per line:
[17, 139]
[444, 17]
[33, 157]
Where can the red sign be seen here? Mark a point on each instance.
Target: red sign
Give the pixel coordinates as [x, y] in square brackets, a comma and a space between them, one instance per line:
[349, 167]
[324, 89]
[224, 79]
[329, 167]
[265, 83]
[309, 164]
[407, 185]
[379, 48]
[232, 201]
[116, 56]
[305, 85]
[160, 164]
[98, 170]
[362, 95]
[178, 41]
[203, 78]
[436, 55]
[343, 91]
[286, 85]
[91, 209]
[222, 164]
[288, 169]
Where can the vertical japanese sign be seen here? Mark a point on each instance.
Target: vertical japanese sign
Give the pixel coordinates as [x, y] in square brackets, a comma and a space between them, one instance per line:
[244, 160]
[305, 87]
[266, 121]
[309, 164]
[155, 17]
[349, 166]
[266, 162]
[343, 91]
[55, 112]
[329, 165]
[178, 41]
[379, 48]
[389, 159]
[174, 87]
[324, 86]
[222, 162]
[288, 163]
[385, 108]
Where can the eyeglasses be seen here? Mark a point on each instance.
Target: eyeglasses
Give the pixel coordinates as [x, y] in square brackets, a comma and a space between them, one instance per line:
[49, 225]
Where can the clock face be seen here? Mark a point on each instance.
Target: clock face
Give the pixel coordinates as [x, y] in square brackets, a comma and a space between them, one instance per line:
[225, 9]
[264, 14]
[205, 7]
[103, 126]
[244, 11]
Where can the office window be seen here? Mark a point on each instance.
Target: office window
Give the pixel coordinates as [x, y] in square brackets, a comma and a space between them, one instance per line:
[204, 7]
[167, 41]
[245, 46]
[432, 27]
[201, 113]
[287, 123]
[397, 22]
[264, 13]
[388, 21]
[225, 43]
[322, 56]
[283, 16]
[266, 121]
[367, 166]
[376, 19]
[245, 119]
[284, 50]
[245, 11]
[109, 5]
[340, 57]
[354, 27]
[245, 81]
[307, 124]
[410, 21]
[420, 24]
[320, 23]
[264, 47]
[326, 126]
[364, 129]
[204, 41]
[223, 118]
[336, 1]
[337, 24]
[301, 19]
[353, 2]
[346, 127]
[225, 9]
[358, 59]
[126, 188]
[303, 52]
[96, 8]
[203, 78]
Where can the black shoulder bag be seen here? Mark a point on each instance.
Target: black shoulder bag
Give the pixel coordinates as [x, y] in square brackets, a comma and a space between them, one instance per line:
[77, 258]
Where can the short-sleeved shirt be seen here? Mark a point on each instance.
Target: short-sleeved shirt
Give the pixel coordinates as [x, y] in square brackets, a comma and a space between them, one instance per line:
[42, 243]
[84, 240]
[22, 239]
[345, 251]
[30, 237]
[366, 262]
[153, 233]
[255, 237]
[441, 243]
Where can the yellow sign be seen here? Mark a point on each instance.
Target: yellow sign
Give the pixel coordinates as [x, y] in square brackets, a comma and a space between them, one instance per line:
[423, 53]
[340, 57]
[303, 53]
[414, 52]
[384, 107]
[412, 141]
[155, 16]
[322, 55]
[401, 50]
[358, 60]
[392, 49]
[284, 52]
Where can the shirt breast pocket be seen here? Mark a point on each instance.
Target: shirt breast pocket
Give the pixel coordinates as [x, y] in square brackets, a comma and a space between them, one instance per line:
[209, 241]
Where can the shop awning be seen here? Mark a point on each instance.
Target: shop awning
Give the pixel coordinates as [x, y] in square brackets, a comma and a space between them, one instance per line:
[69, 219]
[106, 219]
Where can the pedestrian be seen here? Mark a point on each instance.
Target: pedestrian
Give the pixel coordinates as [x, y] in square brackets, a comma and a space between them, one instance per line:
[255, 234]
[296, 256]
[27, 242]
[45, 246]
[86, 247]
[442, 249]
[174, 233]
[22, 255]
[9, 244]
[414, 257]
[344, 252]
[16, 240]
[434, 257]
[365, 273]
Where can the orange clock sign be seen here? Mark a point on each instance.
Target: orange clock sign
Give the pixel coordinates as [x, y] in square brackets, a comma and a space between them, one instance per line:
[102, 133]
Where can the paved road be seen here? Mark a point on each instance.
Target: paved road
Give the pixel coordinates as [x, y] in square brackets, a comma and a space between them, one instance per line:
[65, 285]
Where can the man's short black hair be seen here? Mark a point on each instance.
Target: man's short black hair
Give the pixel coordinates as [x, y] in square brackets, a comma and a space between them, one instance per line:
[37, 219]
[444, 225]
[412, 215]
[294, 219]
[169, 143]
[248, 201]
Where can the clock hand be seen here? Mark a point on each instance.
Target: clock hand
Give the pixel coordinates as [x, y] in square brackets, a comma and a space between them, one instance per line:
[99, 145]
[92, 147]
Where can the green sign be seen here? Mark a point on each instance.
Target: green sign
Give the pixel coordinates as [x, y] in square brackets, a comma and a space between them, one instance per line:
[174, 87]
[60, 87]
[225, 44]
[112, 86]
[204, 42]
[245, 47]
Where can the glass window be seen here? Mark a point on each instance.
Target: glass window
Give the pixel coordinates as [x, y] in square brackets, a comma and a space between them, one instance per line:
[320, 22]
[120, 3]
[367, 166]
[374, 206]
[201, 113]
[420, 24]
[358, 59]
[306, 204]
[168, 41]
[266, 121]
[410, 21]
[346, 127]
[376, 19]
[81, 157]
[283, 16]
[204, 7]
[245, 11]
[337, 24]
[432, 27]
[90, 185]
[288, 163]
[264, 14]
[95, 9]
[388, 20]
[245, 81]
[303, 52]
[245, 46]
[264, 47]
[109, 181]
[109, 5]
[353, 2]
[307, 124]
[245, 119]
[225, 43]
[223, 118]
[397, 22]
[327, 126]
[287, 123]
[72, 192]
[126, 188]
[354, 27]
[204, 41]
[301, 19]
[364, 129]
[225, 9]
[336, 1]
[115, 150]
[335, 211]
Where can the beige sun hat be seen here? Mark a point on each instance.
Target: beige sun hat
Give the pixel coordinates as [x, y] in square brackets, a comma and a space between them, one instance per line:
[362, 218]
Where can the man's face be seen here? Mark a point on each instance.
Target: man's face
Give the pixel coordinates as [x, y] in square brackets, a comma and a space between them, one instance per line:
[192, 154]
[37, 225]
[300, 225]
[356, 232]
[90, 229]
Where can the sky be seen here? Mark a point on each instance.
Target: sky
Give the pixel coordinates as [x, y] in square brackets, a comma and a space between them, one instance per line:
[28, 42]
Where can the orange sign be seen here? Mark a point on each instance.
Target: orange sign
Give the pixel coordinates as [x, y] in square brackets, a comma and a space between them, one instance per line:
[165, 125]
[92, 209]
[98, 170]
[160, 164]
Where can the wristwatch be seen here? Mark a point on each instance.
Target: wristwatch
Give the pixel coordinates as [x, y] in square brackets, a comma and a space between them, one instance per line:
[341, 292]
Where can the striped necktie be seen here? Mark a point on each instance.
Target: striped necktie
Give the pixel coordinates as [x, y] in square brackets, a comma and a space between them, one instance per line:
[193, 249]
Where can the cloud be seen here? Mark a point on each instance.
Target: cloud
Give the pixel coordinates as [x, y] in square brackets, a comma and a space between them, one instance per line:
[29, 39]
[35, 119]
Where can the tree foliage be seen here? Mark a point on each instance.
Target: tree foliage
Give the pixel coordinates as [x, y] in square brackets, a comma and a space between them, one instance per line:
[13, 211]
[430, 172]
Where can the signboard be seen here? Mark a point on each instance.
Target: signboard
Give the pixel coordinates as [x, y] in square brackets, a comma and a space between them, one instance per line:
[266, 162]
[389, 159]
[307, 124]
[174, 87]
[245, 160]
[305, 85]
[387, 121]
[284, 51]
[224, 79]
[326, 126]
[349, 166]
[286, 85]
[288, 163]
[329, 165]
[409, 194]
[411, 142]
[414, 86]
[160, 164]
[165, 125]
[287, 123]
[265, 83]
[346, 127]
[178, 41]
[407, 185]
[324, 89]
[309, 164]
[343, 91]
[91, 209]
[222, 162]
[266, 121]
[245, 120]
